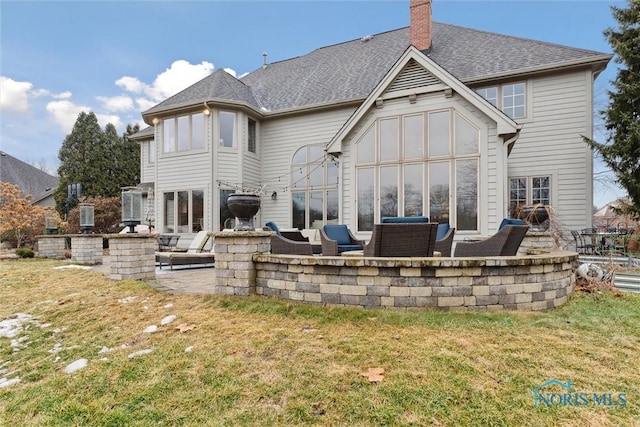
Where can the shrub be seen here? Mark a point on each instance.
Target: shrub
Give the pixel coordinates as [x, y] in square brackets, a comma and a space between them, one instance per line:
[24, 253]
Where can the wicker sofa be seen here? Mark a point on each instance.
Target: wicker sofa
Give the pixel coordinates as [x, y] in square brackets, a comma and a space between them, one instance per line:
[402, 240]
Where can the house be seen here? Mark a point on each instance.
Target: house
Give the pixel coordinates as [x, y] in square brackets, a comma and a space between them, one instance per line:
[30, 180]
[460, 125]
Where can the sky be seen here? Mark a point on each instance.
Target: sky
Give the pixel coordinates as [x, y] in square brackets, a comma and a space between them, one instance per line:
[119, 58]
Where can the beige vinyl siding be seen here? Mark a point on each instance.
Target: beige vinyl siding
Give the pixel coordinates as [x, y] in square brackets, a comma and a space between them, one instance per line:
[551, 144]
[279, 140]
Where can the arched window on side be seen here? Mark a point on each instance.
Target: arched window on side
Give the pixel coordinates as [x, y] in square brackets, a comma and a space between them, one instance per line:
[314, 188]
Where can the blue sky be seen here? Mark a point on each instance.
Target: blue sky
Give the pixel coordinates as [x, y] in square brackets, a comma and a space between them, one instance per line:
[118, 58]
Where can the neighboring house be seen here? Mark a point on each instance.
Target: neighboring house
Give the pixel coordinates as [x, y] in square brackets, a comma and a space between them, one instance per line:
[31, 180]
[459, 125]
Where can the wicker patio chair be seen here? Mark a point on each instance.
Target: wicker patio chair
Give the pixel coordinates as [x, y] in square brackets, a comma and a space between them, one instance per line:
[504, 243]
[284, 246]
[337, 238]
[402, 240]
[443, 245]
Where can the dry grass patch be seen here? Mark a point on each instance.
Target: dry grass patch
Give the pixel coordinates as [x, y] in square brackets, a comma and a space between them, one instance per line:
[260, 361]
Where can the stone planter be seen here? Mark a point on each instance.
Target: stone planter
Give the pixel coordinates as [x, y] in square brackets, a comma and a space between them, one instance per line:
[244, 207]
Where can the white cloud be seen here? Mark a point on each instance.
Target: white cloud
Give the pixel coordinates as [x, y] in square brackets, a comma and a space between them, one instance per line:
[116, 103]
[14, 96]
[230, 71]
[65, 113]
[180, 75]
[105, 119]
[44, 92]
[144, 103]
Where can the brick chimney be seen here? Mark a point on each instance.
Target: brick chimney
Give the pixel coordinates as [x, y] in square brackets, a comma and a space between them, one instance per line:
[420, 31]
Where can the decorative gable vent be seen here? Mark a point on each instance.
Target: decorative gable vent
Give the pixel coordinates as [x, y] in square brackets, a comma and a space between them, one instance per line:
[412, 76]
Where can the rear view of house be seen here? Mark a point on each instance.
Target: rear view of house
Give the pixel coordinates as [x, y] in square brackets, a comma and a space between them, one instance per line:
[459, 125]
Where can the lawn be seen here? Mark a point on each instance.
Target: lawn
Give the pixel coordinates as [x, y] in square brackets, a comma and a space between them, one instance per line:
[259, 361]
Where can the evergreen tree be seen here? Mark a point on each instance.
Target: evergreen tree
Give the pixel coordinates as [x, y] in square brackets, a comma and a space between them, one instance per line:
[621, 152]
[101, 161]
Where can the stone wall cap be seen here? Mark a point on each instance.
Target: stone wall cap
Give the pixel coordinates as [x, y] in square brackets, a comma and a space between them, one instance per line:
[256, 233]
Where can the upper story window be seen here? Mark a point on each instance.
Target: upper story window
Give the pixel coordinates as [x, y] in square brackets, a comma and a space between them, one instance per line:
[227, 129]
[183, 133]
[510, 98]
[151, 151]
[251, 135]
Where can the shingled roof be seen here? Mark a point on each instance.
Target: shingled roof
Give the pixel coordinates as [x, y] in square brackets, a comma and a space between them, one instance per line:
[31, 180]
[350, 70]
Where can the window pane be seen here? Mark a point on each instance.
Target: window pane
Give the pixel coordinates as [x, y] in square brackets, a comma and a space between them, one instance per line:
[298, 177]
[169, 136]
[197, 131]
[316, 175]
[332, 174]
[439, 193]
[315, 209]
[183, 211]
[365, 199]
[226, 217]
[540, 190]
[413, 137]
[466, 137]
[514, 100]
[388, 139]
[197, 216]
[467, 194]
[152, 151]
[183, 133]
[316, 153]
[332, 207]
[251, 129]
[439, 134]
[298, 210]
[413, 191]
[517, 196]
[366, 152]
[490, 94]
[169, 214]
[300, 156]
[389, 191]
[227, 129]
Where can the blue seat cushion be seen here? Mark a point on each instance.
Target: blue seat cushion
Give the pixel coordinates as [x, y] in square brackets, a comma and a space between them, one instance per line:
[443, 229]
[272, 225]
[339, 233]
[403, 219]
[510, 221]
[345, 248]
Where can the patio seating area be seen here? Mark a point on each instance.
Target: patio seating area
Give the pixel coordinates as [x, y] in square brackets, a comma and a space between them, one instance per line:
[608, 242]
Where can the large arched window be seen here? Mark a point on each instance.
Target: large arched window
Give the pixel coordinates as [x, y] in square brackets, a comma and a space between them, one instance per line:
[314, 188]
[423, 164]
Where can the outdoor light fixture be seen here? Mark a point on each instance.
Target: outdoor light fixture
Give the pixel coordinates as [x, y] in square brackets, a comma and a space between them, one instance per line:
[51, 222]
[131, 207]
[86, 217]
[156, 120]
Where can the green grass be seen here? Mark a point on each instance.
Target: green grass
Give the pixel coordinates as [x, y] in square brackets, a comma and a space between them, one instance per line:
[262, 361]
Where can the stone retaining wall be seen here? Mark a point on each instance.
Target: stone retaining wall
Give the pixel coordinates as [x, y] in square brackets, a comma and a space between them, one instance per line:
[132, 256]
[235, 269]
[52, 246]
[527, 283]
[86, 248]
